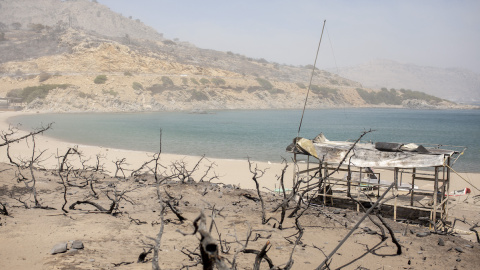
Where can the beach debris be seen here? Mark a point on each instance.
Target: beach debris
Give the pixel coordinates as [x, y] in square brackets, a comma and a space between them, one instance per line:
[459, 250]
[460, 192]
[59, 248]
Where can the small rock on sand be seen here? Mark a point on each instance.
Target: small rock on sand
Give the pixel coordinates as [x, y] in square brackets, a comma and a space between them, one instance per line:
[441, 242]
[59, 248]
[77, 244]
[423, 234]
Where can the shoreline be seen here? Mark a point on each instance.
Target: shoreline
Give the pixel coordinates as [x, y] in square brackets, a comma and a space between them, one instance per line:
[467, 165]
[229, 171]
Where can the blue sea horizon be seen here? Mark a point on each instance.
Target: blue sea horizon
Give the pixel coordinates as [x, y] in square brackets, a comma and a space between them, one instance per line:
[263, 135]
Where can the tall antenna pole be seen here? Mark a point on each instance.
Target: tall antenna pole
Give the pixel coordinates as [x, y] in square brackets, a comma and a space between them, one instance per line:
[311, 78]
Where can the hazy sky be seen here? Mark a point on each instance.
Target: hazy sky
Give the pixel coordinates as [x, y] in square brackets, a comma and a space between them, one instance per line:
[430, 33]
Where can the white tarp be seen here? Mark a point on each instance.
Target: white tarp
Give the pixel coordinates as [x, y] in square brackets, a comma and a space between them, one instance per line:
[365, 155]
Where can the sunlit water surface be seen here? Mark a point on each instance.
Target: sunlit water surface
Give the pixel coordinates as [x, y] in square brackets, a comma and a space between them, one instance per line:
[263, 134]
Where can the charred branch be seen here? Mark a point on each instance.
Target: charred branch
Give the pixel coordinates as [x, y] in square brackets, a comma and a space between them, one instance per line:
[118, 164]
[5, 135]
[475, 231]
[390, 231]
[96, 205]
[354, 228]
[143, 255]
[177, 213]
[3, 209]
[261, 255]
[258, 173]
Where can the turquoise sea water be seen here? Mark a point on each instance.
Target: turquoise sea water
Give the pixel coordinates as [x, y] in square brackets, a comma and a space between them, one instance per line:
[263, 134]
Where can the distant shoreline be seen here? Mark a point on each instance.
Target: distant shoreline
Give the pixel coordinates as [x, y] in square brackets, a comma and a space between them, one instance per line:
[213, 108]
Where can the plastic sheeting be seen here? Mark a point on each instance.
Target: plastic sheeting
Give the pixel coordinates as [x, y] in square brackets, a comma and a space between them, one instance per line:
[366, 155]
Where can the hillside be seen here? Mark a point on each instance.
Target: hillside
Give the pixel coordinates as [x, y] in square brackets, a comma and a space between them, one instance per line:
[88, 15]
[453, 84]
[49, 65]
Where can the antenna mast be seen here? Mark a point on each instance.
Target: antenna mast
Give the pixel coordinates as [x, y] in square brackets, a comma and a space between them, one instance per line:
[311, 78]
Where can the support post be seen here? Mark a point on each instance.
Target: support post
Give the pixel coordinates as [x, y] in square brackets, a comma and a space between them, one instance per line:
[395, 192]
[325, 172]
[435, 201]
[378, 187]
[295, 166]
[447, 189]
[308, 170]
[359, 187]
[414, 170]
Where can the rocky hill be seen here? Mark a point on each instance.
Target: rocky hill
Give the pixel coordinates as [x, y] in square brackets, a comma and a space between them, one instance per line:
[84, 14]
[458, 85]
[101, 61]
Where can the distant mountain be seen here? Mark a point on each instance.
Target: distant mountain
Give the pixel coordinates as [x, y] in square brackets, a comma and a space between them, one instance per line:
[84, 14]
[453, 84]
[78, 55]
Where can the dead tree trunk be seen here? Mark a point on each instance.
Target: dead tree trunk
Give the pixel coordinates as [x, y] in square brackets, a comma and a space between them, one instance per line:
[257, 173]
[64, 166]
[28, 165]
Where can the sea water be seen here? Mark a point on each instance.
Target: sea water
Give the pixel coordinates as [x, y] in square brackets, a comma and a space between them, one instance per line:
[263, 135]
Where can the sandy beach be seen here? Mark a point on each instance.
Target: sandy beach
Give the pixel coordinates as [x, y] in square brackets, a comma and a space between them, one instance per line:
[234, 172]
[115, 242]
